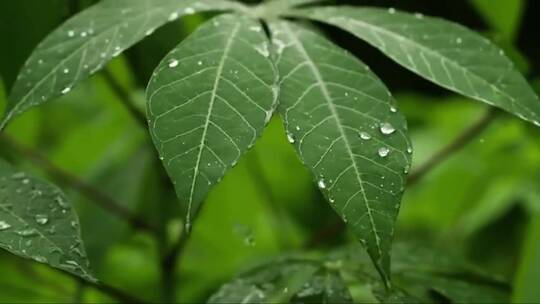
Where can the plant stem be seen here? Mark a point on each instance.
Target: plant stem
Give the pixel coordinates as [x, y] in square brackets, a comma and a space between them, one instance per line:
[169, 263]
[457, 144]
[125, 97]
[464, 138]
[108, 290]
[95, 195]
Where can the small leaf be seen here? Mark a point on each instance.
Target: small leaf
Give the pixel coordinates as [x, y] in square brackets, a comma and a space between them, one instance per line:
[86, 42]
[37, 222]
[346, 128]
[208, 102]
[446, 53]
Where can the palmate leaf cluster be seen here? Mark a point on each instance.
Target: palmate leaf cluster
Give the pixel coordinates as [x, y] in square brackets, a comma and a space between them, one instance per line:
[212, 96]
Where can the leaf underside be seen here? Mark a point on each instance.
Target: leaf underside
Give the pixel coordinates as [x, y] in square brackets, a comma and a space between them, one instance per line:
[37, 222]
[336, 113]
[86, 42]
[208, 102]
[443, 52]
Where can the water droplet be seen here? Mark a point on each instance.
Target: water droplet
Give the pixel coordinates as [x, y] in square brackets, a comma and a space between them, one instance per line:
[61, 202]
[173, 63]
[393, 109]
[501, 52]
[149, 32]
[383, 152]
[71, 33]
[321, 184]
[406, 169]
[26, 181]
[173, 16]
[83, 34]
[200, 63]
[41, 219]
[39, 259]
[409, 150]
[255, 28]
[66, 90]
[290, 138]
[189, 10]
[66, 71]
[387, 129]
[4, 226]
[392, 10]
[27, 232]
[459, 41]
[365, 136]
[419, 16]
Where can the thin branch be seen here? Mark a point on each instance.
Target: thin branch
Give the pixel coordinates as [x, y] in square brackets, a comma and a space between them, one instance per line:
[467, 136]
[95, 195]
[169, 263]
[464, 138]
[106, 289]
[125, 97]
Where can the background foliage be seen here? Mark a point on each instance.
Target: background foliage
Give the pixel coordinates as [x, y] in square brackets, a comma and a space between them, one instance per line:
[482, 202]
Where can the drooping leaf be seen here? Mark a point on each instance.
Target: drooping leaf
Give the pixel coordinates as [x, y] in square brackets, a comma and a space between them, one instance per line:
[274, 282]
[325, 287]
[86, 42]
[208, 102]
[441, 278]
[446, 53]
[37, 222]
[346, 127]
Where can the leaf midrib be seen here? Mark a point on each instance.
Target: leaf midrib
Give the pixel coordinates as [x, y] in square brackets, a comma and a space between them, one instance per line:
[442, 57]
[336, 116]
[219, 72]
[70, 56]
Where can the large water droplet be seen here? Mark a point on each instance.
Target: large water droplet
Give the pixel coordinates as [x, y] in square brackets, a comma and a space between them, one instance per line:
[387, 129]
[173, 16]
[290, 138]
[321, 183]
[41, 219]
[383, 152]
[173, 63]
[365, 136]
[66, 90]
[4, 226]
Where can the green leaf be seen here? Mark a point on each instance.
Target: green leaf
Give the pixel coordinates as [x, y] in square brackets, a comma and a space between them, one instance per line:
[325, 287]
[446, 53]
[86, 42]
[347, 130]
[274, 282]
[209, 101]
[37, 222]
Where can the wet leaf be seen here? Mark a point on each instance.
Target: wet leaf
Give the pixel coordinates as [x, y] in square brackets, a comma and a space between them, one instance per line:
[86, 42]
[37, 222]
[347, 130]
[208, 102]
[446, 53]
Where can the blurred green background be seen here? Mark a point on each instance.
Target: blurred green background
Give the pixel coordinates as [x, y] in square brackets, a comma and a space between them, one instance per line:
[483, 201]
